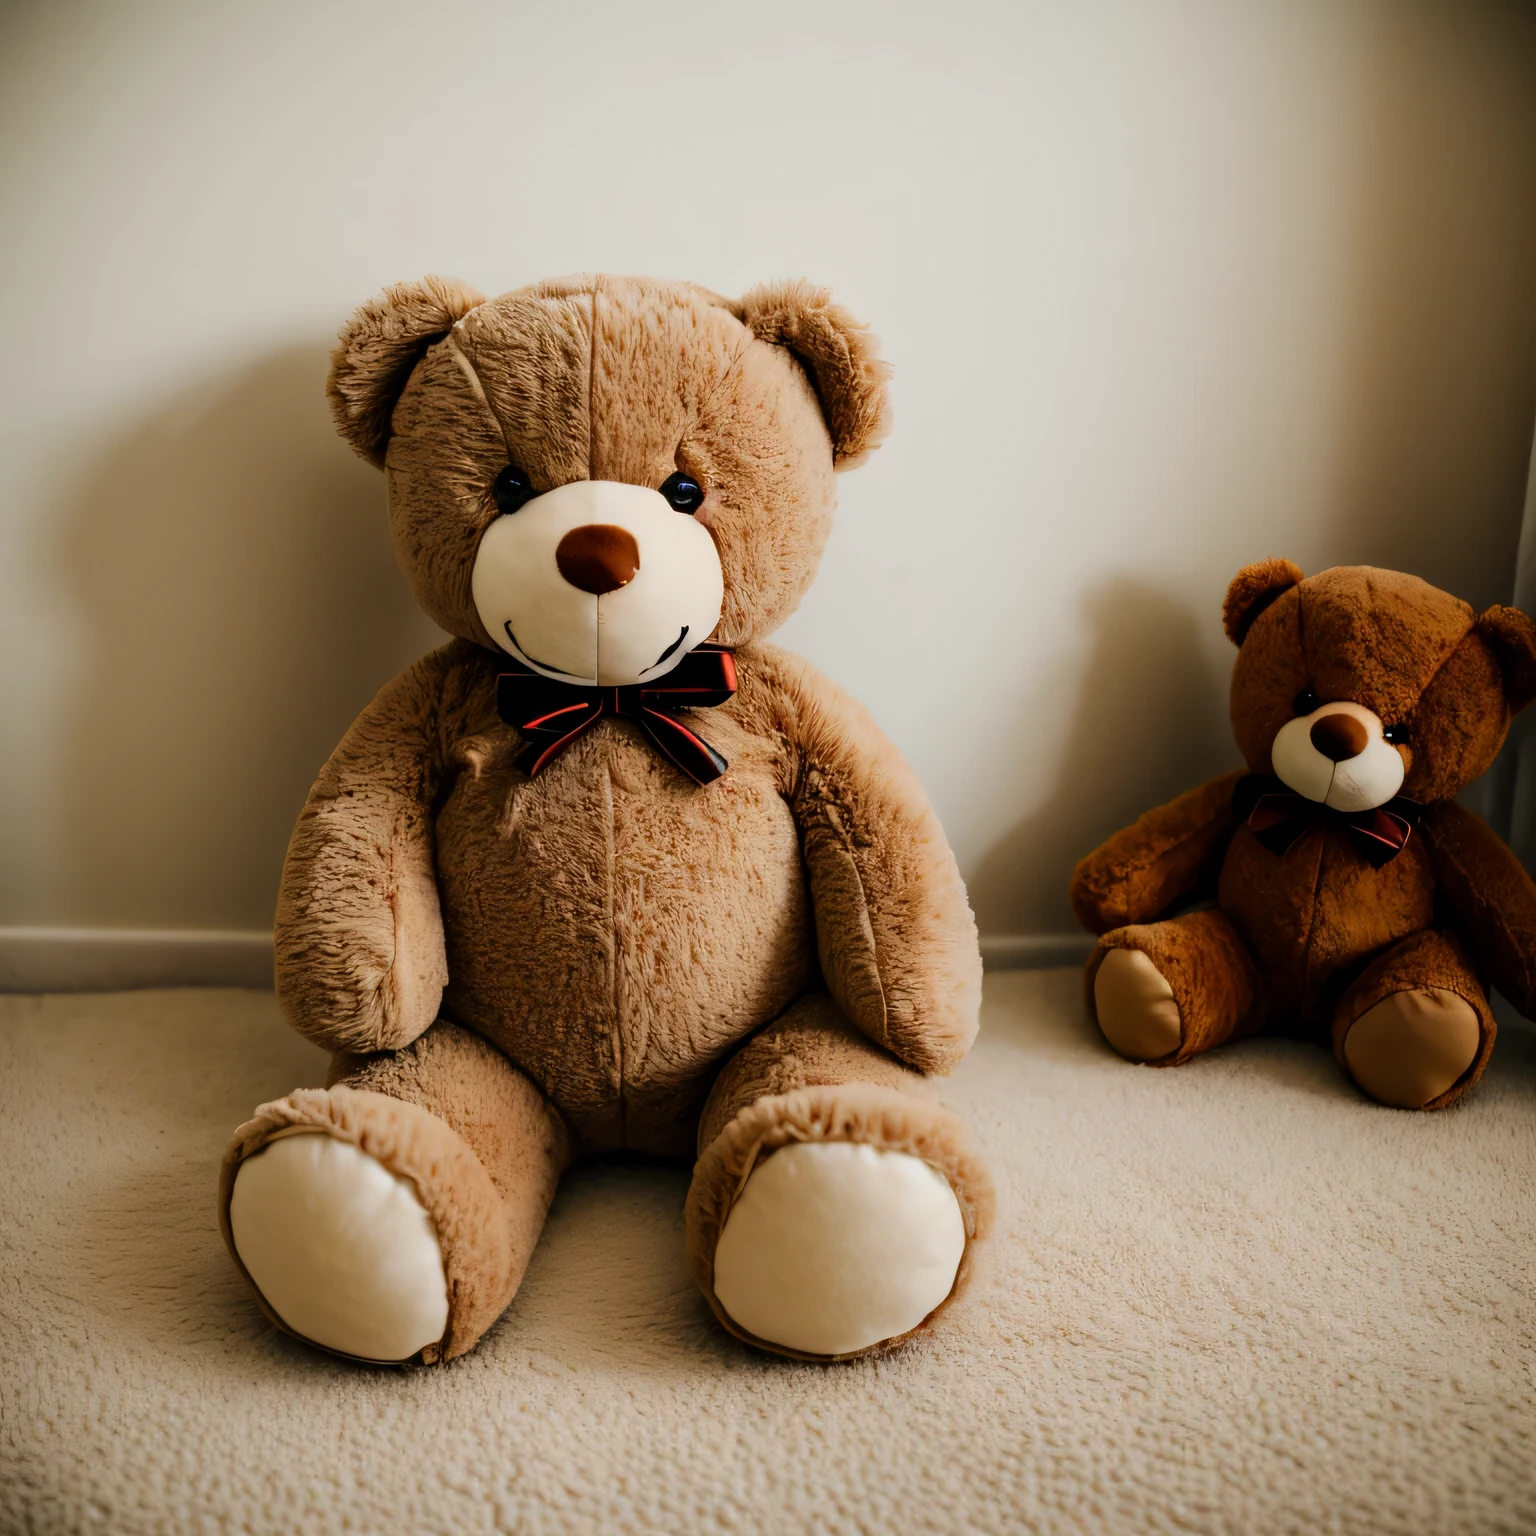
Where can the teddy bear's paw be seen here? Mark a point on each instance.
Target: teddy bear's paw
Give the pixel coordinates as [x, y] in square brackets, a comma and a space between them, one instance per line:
[340, 1248]
[1135, 1006]
[834, 1247]
[1412, 1046]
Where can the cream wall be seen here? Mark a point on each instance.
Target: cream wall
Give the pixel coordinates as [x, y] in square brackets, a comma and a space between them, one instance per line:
[1168, 286]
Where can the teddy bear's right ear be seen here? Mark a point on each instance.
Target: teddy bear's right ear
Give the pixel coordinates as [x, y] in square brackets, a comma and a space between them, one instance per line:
[1253, 589]
[378, 348]
[1511, 636]
[839, 353]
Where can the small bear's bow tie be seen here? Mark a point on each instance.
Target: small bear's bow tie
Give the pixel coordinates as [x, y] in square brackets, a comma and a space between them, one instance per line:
[1280, 818]
[550, 715]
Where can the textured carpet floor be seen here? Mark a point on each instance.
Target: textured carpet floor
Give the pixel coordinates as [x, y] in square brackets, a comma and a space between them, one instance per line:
[1228, 1298]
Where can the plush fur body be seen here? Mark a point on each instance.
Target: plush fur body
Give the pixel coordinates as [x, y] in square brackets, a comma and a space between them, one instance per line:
[1313, 939]
[516, 971]
[612, 927]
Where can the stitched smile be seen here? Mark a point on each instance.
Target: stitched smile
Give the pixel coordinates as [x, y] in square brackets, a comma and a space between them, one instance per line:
[528, 655]
[549, 666]
[682, 635]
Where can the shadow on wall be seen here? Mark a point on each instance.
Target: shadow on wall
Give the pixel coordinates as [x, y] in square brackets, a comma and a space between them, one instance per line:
[1435, 373]
[231, 564]
[1150, 721]
[1441, 380]
[1438, 355]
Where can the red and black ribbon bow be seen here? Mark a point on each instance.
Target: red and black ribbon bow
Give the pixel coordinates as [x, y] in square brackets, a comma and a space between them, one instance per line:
[1280, 818]
[550, 715]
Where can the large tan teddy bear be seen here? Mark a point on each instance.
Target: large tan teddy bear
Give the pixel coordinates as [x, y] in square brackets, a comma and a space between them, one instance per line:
[607, 871]
[1354, 900]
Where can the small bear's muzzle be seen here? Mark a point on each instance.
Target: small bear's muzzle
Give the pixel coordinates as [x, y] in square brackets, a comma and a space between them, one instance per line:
[1338, 755]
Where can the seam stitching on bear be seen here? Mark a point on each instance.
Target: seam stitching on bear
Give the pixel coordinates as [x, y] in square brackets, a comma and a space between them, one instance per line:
[614, 961]
[591, 380]
[835, 821]
[1306, 947]
[477, 385]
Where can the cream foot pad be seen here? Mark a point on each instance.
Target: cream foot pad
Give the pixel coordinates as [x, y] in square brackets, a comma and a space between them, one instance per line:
[835, 1246]
[340, 1247]
[1136, 1006]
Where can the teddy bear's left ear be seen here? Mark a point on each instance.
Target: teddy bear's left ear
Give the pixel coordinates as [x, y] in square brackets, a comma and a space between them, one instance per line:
[378, 348]
[1511, 636]
[1253, 589]
[838, 352]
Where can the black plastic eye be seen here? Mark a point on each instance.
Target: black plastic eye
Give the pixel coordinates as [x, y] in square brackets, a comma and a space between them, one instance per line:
[1396, 734]
[1306, 701]
[512, 489]
[684, 492]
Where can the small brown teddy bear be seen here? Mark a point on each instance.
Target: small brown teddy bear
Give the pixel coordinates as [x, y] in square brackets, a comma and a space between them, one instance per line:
[607, 871]
[1355, 901]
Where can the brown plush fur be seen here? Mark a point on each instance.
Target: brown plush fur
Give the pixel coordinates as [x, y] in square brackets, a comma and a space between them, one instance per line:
[608, 935]
[840, 354]
[1202, 957]
[1253, 589]
[380, 347]
[621, 379]
[1425, 961]
[1314, 939]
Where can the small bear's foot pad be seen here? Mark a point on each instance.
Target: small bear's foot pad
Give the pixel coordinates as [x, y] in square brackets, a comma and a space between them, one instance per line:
[1413, 1046]
[834, 1247]
[1135, 1006]
[340, 1248]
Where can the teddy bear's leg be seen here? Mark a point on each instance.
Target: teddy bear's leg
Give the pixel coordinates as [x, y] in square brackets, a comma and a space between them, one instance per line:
[390, 1215]
[1415, 1030]
[835, 1203]
[1164, 992]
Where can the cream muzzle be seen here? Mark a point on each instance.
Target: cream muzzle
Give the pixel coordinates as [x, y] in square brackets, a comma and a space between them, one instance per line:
[598, 582]
[1338, 756]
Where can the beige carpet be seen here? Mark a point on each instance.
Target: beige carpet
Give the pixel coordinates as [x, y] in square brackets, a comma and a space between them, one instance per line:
[1229, 1298]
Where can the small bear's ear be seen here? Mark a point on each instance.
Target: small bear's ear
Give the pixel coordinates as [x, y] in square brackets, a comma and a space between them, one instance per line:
[1511, 636]
[838, 352]
[1253, 589]
[378, 348]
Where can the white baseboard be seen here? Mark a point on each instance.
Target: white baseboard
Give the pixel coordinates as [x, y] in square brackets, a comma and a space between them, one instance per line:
[1034, 951]
[123, 959]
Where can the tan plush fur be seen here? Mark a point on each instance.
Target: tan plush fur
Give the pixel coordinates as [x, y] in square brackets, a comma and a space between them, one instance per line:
[1312, 940]
[839, 352]
[384, 342]
[608, 936]
[621, 379]
[478, 1142]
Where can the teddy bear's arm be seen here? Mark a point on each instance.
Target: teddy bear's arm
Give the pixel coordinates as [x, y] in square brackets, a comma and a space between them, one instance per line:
[359, 934]
[1162, 856]
[894, 931]
[1491, 898]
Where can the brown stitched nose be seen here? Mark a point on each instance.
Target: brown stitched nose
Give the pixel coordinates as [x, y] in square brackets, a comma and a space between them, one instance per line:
[598, 557]
[1339, 736]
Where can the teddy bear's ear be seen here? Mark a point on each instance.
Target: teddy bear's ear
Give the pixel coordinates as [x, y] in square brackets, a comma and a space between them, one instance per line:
[838, 352]
[1253, 589]
[378, 348]
[1511, 636]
